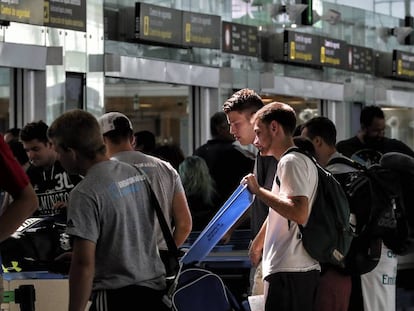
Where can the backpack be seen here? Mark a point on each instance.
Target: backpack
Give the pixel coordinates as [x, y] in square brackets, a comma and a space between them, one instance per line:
[202, 290]
[403, 165]
[376, 200]
[35, 245]
[327, 234]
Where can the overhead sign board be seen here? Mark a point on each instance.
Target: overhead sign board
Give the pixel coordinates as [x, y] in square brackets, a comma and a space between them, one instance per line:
[65, 14]
[201, 30]
[360, 59]
[302, 48]
[158, 24]
[53, 13]
[23, 11]
[239, 39]
[333, 52]
[403, 65]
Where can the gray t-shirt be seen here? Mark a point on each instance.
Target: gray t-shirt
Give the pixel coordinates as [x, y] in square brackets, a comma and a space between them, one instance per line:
[111, 208]
[165, 182]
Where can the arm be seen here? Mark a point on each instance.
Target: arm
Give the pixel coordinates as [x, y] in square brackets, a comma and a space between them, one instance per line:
[182, 218]
[82, 270]
[294, 208]
[23, 206]
[256, 248]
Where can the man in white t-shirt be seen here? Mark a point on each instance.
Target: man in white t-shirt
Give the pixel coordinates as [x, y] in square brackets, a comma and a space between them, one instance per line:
[290, 274]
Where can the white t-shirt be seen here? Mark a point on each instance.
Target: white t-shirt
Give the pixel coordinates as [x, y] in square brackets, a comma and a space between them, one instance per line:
[378, 285]
[283, 249]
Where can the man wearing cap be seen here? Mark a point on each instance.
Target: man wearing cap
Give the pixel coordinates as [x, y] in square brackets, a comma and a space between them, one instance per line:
[118, 136]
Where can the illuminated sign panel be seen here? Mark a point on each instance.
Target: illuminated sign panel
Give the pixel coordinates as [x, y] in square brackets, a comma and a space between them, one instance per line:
[201, 30]
[360, 59]
[65, 14]
[333, 52]
[158, 24]
[403, 65]
[23, 11]
[302, 48]
[239, 39]
[53, 13]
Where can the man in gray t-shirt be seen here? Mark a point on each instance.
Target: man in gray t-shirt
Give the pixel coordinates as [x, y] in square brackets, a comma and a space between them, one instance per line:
[115, 259]
[165, 181]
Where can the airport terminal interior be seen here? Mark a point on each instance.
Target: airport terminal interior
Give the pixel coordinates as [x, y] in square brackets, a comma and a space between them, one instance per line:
[170, 64]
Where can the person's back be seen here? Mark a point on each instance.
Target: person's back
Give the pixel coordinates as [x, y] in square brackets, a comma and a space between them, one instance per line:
[117, 241]
[115, 255]
[200, 191]
[164, 179]
[227, 162]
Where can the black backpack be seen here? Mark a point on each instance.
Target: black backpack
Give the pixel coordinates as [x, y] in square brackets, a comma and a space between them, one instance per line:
[327, 234]
[35, 245]
[376, 199]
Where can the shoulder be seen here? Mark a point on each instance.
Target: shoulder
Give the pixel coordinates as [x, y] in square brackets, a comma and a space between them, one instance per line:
[350, 141]
[296, 159]
[157, 167]
[339, 168]
[349, 146]
[395, 145]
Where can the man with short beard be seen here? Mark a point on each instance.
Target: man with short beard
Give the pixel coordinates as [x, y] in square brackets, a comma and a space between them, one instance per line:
[367, 146]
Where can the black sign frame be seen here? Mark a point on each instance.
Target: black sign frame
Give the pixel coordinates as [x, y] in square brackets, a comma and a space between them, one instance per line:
[240, 39]
[200, 30]
[157, 24]
[360, 59]
[403, 65]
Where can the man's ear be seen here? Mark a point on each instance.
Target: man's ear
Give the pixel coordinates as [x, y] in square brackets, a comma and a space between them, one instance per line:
[274, 126]
[317, 141]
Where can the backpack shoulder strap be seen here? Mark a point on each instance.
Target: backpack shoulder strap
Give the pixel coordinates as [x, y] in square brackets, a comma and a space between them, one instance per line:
[296, 149]
[346, 161]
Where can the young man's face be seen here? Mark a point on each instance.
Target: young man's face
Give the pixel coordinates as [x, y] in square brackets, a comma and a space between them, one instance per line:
[40, 154]
[264, 138]
[240, 127]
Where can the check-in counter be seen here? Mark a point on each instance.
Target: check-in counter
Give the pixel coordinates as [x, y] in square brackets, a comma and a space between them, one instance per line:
[51, 290]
